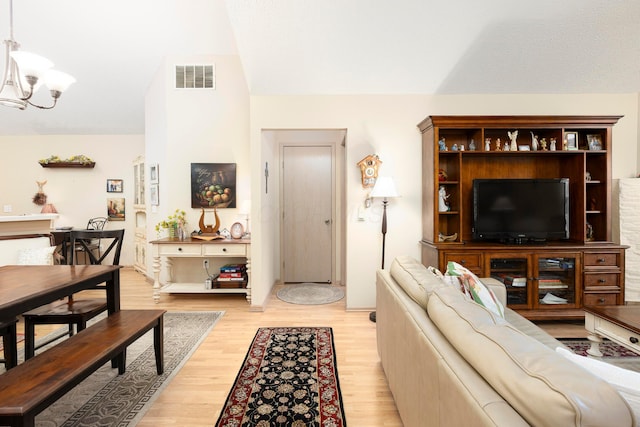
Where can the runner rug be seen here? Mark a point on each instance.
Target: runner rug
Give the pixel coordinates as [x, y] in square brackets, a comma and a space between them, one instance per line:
[289, 378]
[108, 399]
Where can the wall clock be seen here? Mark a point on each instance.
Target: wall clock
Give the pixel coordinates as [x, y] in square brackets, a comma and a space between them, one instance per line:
[369, 170]
[237, 230]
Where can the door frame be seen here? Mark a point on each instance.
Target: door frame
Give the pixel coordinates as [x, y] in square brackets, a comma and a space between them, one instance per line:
[337, 209]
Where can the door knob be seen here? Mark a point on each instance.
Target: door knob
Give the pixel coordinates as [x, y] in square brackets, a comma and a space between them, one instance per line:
[327, 221]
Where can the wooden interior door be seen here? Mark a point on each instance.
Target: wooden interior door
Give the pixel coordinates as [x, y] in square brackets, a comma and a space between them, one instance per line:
[307, 220]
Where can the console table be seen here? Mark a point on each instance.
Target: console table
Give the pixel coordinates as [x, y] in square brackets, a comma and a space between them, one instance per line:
[169, 249]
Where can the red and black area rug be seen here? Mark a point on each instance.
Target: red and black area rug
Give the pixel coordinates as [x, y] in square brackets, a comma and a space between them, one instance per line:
[288, 378]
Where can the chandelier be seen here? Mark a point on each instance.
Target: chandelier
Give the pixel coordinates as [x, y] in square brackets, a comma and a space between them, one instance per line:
[25, 72]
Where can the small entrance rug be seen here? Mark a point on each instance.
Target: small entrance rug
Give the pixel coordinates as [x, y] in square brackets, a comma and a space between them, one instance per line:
[289, 378]
[310, 293]
[108, 399]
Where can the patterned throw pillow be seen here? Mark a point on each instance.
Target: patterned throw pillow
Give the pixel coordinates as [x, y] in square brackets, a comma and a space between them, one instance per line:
[36, 256]
[471, 285]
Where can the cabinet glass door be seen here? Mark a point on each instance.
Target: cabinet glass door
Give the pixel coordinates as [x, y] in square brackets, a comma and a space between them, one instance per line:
[556, 281]
[513, 273]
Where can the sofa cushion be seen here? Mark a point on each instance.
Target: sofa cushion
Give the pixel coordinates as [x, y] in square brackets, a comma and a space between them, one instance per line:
[471, 285]
[36, 256]
[417, 280]
[545, 388]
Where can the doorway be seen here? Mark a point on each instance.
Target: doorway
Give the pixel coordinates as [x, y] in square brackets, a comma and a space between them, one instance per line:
[311, 213]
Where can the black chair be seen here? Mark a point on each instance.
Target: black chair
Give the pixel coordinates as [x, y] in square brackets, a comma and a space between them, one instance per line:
[9, 342]
[74, 311]
[93, 245]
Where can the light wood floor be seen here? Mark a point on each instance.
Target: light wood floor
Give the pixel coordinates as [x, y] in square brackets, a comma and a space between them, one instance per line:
[196, 394]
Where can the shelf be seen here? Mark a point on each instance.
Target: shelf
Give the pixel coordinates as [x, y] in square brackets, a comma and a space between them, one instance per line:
[68, 165]
[198, 288]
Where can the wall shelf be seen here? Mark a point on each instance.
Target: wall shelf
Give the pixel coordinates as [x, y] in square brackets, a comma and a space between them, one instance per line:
[68, 165]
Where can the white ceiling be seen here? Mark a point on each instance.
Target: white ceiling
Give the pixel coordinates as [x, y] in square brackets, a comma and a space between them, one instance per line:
[115, 47]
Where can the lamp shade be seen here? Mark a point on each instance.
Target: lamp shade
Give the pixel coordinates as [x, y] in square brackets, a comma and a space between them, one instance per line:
[31, 64]
[384, 187]
[58, 81]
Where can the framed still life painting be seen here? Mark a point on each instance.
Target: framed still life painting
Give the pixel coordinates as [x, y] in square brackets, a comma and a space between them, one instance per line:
[213, 185]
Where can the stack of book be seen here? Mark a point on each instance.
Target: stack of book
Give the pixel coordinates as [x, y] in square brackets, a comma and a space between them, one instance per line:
[232, 276]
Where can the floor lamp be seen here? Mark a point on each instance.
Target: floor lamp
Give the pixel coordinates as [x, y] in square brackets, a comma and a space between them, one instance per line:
[384, 188]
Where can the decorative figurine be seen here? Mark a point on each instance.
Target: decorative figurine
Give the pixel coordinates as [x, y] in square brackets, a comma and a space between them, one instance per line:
[454, 147]
[442, 175]
[534, 142]
[565, 145]
[506, 146]
[587, 176]
[543, 144]
[552, 144]
[589, 232]
[442, 144]
[498, 144]
[513, 136]
[487, 144]
[443, 206]
[461, 147]
[472, 145]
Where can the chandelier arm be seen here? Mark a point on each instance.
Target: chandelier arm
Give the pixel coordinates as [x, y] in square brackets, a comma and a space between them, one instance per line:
[55, 97]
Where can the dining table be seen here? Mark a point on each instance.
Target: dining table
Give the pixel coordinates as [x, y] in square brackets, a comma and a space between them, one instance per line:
[25, 287]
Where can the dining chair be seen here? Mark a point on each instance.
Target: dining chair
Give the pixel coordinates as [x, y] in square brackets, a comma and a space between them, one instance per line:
[72, 311]
[96, 223]
[9, 335]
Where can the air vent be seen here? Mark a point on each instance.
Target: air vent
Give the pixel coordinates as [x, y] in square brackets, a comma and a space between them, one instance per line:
[195, 77]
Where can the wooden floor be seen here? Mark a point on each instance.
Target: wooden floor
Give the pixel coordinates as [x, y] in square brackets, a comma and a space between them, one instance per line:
[196, 394]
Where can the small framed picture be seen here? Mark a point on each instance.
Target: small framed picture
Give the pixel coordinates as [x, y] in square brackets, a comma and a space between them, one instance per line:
[154, 173]
[115, 209]
[154, 195]
[572, 140]
[114, 186]
[594, 142]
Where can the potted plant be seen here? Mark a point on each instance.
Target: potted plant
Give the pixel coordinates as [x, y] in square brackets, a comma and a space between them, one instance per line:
[174, 224]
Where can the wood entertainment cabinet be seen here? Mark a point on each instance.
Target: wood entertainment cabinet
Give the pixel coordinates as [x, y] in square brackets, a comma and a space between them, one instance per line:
[547, 280]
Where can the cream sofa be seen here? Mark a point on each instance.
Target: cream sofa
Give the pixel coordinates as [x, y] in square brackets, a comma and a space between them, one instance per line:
[451, 362]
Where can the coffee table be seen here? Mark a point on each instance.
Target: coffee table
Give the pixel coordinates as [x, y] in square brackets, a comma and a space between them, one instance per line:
[619, 323]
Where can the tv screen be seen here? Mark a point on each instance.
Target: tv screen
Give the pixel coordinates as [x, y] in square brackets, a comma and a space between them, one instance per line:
[521, 210]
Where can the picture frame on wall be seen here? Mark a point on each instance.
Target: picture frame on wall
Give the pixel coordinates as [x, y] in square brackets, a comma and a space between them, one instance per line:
[114, 185]
[116, 209]
[154, 195]
[213, 185]
[572, 140]
[154, 173]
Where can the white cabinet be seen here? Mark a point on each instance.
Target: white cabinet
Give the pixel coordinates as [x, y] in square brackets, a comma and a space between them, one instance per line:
[168, 251]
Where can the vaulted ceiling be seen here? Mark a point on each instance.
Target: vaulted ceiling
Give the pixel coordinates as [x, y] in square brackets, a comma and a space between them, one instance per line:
[296, 47]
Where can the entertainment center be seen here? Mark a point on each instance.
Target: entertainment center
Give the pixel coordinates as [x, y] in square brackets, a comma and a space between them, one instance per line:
[562, 166]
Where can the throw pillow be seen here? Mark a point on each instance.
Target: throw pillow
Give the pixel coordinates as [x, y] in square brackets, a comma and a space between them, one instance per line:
[36, 256]
[625, 381]
[471, 285]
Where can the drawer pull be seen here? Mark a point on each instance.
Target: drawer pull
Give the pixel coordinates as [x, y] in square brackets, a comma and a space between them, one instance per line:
[463, 261]
[601, 260]
[179, 249]
[602, 280]
[633, 340]
[224, 249]
[601, 300]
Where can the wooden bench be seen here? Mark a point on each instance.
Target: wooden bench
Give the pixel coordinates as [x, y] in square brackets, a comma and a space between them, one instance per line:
[32, 386]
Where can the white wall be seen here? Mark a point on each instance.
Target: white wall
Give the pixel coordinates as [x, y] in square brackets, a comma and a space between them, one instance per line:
[185, 126]
[78, 194]
[386, 125]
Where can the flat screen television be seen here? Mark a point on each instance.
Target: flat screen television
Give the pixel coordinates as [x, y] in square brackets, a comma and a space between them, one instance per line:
[521, 210]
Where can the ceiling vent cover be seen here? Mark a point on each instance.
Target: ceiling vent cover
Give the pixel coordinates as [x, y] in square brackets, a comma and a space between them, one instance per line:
[195, 77]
